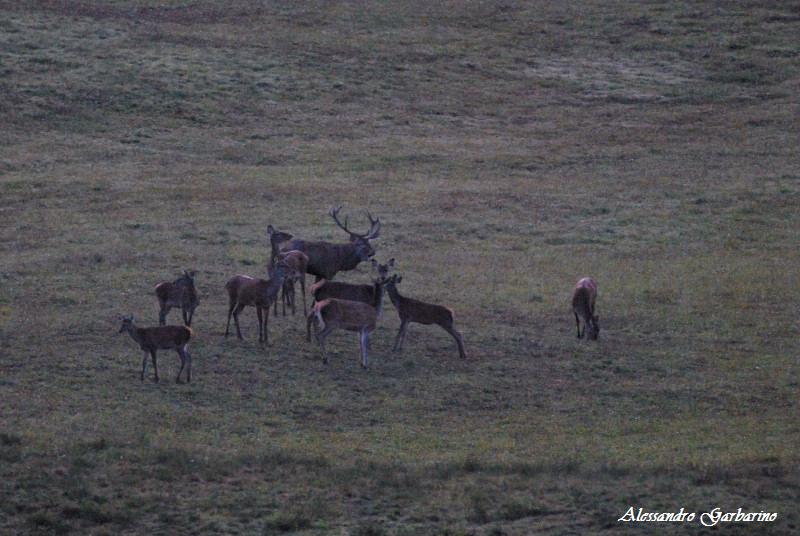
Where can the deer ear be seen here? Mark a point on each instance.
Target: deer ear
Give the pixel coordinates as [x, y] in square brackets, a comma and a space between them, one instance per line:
[390, 264]
[399, 278]
[270, 229]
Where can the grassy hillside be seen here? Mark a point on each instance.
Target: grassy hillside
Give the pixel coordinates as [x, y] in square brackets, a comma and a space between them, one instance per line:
[509, 149]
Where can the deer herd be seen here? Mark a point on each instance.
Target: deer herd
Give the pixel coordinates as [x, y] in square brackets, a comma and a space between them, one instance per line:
[335, 305]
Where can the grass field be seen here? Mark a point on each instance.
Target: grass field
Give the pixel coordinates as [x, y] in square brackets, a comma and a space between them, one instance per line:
[509, 149]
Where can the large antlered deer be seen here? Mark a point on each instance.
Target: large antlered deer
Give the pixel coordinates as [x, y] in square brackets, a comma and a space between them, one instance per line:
[369, 294]
[180, 293]
[583, 300]
[244, 291]
[325, 259]
[161, 338]
[411, 310]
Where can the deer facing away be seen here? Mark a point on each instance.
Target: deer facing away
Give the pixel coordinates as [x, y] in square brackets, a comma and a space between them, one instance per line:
[369, 294]
[297, 261]
[244, 291]
[157, 338]
[583, 300]
[180, 293]
[325, 259]
[411, 310]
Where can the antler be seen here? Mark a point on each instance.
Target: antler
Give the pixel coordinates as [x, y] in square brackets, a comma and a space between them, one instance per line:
[334, 213]
[374, 224]
[374, 227]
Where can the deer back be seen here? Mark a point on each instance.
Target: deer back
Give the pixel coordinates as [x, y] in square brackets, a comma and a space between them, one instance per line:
[347, 314]
[344, 291]
[166, 337]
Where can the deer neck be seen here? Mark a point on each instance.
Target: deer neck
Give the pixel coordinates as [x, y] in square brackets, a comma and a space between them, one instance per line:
[394, 295]
[135, 333]
[348, 256]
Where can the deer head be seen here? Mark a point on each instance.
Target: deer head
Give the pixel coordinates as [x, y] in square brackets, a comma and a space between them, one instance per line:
[127, 323]
[593, 328]
[364, 250]
[382, 269]
[278, 236]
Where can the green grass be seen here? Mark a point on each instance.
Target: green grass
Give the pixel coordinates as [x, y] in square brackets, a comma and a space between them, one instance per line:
[509, 149]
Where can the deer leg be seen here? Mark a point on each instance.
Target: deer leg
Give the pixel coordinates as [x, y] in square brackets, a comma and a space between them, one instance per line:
[266, 324]
[260, 323]
[230, 312]
[309, 320]
[459, 340]
[578, 324]
[291, 296]
[188, 363]
[303, 290]
[183, 364]
[404, 331]
[321, 339]
[236, 312]
[364, 348]
[162, 314]
[403, 325]
[144, 363]
[155, 363]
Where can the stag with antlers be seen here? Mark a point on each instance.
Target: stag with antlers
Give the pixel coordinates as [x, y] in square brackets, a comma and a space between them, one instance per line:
[325, 259]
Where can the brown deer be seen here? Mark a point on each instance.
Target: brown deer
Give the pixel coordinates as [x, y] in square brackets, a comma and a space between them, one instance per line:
[369, 294]
[180, 293]
[411, 310]
[325, 259]
[161, 338]
[583, 300]
[297, 261]
[349, 315]
[244, 291]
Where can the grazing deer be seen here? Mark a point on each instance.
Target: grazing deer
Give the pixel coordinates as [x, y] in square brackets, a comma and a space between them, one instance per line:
[411, 310]
[349, 315]
[161, 338]
[180, 293]
[246, 291]
[325, 259]
[583, 300]
[297, 261]
[369, 294]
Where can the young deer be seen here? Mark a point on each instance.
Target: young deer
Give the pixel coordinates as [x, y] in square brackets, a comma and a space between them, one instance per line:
[349, 315]
[246, 291]
[180, 293]
[411, 310]
[583, 300]
[161, 338]
[369, 294]
[297, 261]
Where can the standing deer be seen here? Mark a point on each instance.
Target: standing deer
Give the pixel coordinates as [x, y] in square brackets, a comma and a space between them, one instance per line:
[246, 291]
[161, 338]
[369, 294]
[325, 259]
[180, 293]
[411, 310]
[297, 261]
[583, 300]
[349, 315]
